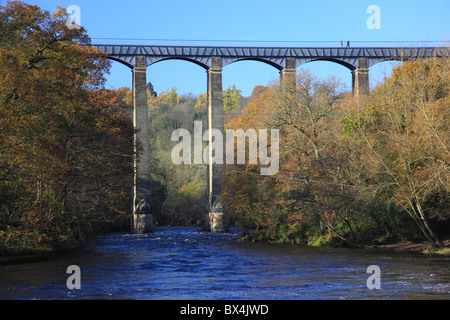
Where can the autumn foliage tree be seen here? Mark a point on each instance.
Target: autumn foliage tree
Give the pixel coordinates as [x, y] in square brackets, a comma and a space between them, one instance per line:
[65, 142]
[352, 171]
[286, 205]
[404, 132]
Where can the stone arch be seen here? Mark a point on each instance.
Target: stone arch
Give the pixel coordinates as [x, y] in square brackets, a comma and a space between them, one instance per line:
[119, 74]
[397, 59]
[174, 72]
[247, 73]
[382, 69]
[346, 64]
[344, 71]
[193, 60]
[270, 62]
[129, 65]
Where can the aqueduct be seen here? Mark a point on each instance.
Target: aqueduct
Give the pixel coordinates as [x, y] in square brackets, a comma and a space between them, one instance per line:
[213, 59]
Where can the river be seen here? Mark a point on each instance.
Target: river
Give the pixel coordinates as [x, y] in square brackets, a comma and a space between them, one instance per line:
[185, 263]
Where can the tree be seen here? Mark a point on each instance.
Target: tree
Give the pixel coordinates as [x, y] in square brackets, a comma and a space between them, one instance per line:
[406, 138]
[65, 141]
[232, 98]
[150, 89]
[315, 196]
[200, 106]
[169, 96]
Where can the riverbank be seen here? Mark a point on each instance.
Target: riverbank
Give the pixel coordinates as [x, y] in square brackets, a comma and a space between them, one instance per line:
[422, 247]
[419, 247]
[5, 260]
[21, 259]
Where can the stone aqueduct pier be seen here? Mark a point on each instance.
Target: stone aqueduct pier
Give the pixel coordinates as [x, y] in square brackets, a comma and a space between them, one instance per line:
[213, 59]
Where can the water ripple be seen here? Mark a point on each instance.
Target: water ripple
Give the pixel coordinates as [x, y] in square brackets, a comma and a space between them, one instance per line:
[185, 263]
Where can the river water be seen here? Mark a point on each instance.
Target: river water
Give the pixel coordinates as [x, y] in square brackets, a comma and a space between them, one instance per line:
[185, 263]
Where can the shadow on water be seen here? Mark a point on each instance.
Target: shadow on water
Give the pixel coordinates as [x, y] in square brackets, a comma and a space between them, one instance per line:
[186, 263]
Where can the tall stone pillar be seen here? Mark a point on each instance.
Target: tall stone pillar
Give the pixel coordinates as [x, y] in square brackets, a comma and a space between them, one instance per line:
[288, 74]
[216, 220]
[142, 218]
[360, 78]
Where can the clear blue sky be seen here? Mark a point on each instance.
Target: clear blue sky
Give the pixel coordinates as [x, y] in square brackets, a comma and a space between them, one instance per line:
[262, 20]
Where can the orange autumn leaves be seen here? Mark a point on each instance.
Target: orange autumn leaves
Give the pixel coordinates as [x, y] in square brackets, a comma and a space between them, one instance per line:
[351, 171]
[65, 141]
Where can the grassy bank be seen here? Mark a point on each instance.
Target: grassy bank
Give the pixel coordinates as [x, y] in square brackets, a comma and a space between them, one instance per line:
[416, 246]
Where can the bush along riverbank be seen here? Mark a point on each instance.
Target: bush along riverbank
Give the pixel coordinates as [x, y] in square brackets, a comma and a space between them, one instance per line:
[286, 236]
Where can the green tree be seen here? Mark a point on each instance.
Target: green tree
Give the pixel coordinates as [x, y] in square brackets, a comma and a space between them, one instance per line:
[151, 90]
[200, 106]
[232, 98]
